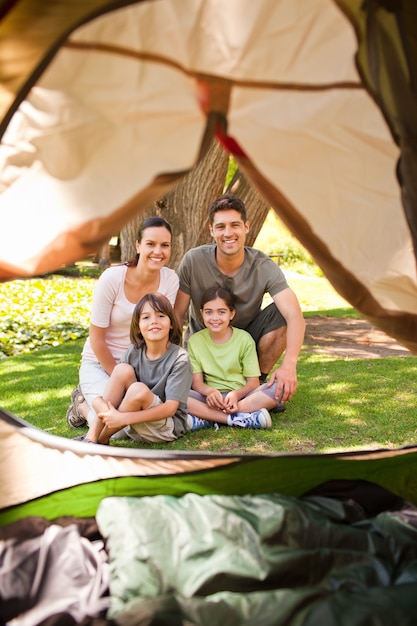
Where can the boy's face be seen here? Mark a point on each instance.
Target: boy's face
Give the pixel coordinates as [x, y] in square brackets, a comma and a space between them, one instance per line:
[229, 231]
[154, 325]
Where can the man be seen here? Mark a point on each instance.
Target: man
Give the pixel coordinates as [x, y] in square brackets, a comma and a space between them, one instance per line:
[249, 274]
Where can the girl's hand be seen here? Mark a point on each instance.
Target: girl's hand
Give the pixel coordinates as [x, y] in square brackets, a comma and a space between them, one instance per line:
[112, 417]
[230, 402]
[214, 399]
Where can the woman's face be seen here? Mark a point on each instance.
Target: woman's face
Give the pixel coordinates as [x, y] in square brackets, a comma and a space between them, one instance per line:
[154, 248]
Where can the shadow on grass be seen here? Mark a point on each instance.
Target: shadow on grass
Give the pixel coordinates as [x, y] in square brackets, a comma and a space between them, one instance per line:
[339, 405]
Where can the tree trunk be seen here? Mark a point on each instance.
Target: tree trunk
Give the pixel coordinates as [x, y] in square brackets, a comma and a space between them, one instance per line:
[186, 207]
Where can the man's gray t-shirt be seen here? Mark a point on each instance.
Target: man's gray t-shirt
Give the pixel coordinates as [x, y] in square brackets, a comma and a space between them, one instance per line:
[257, 276]
[168, 377]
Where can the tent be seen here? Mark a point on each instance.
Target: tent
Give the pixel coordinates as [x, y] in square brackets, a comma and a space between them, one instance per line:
[104, 106]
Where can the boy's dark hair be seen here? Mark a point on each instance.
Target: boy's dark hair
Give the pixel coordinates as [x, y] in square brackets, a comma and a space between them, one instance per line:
[224, 203]
[158, 303]
[151, 222]
[219, 292]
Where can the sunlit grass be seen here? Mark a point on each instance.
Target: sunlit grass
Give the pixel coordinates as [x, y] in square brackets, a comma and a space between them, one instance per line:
[341, 404]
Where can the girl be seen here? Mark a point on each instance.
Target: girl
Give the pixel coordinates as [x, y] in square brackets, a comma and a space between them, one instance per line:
[147, 391]
[225, 387]
[117, 291]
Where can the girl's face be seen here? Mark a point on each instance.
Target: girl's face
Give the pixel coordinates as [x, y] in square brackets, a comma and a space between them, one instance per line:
[154, 325]
[155, 247]
[217, 315]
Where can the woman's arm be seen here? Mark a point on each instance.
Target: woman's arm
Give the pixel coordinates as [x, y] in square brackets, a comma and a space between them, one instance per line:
[100, 348]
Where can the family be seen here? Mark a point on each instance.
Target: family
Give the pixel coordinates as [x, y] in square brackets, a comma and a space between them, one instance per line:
[137, 381]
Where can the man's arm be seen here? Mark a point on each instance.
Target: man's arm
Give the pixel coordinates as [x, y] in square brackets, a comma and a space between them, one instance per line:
[286, 374]
[182, 303]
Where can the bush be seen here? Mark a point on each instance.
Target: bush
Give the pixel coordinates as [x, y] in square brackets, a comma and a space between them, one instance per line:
[275, 239]
[43, 312]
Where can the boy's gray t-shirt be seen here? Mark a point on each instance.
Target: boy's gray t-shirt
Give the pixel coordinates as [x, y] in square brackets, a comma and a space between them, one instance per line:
[257, 276]
[168, 377]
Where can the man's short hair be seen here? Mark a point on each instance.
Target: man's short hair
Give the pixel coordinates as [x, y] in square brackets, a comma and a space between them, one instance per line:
[224, 203]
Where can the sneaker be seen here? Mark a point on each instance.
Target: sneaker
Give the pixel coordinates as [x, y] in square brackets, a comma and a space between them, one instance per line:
[256, 419]
[195, 423]
[74, 417]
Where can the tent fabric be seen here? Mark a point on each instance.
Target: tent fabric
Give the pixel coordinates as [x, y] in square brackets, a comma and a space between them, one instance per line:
[57, 571]
[48, 476]
[105, 106]
[346, 555]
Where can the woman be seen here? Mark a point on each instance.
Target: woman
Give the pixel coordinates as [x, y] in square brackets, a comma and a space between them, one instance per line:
[117, 291]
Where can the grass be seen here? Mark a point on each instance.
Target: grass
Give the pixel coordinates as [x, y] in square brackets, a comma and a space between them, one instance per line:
[341, 404]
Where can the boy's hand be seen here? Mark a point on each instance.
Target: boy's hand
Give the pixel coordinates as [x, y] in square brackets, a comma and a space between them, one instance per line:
[112, 418]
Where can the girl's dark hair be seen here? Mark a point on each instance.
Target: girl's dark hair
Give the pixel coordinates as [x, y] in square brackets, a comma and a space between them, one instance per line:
[150, 222]
[158, 303]
[219, 292]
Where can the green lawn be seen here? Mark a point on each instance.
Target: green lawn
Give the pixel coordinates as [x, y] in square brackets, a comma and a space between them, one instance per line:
[340, 403]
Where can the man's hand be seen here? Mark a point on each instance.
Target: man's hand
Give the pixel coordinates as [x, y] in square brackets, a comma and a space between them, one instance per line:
[286, 379]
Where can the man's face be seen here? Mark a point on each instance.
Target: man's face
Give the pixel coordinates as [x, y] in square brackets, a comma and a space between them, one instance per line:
[229, 231]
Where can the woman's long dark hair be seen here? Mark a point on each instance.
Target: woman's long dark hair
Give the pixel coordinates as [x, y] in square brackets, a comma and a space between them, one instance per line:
[159, 303]
[151, 222]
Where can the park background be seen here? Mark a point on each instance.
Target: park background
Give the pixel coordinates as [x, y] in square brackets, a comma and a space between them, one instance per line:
[342, 402]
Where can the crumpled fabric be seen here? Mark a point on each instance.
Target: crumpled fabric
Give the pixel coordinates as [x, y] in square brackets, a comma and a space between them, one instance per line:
[259, 559]
[58, 571]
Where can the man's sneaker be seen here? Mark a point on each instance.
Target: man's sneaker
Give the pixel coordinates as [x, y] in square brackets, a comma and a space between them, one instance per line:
[74, 417]
[195, 423]
[256, 419]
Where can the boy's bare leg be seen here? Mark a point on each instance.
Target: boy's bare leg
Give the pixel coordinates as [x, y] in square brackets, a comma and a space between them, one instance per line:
[138, 397]
[122, 377]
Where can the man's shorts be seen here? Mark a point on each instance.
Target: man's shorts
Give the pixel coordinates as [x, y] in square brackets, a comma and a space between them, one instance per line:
[267, 320]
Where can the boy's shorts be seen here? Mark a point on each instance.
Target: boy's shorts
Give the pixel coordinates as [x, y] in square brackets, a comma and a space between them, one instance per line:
[267, 320]
[152, 432]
